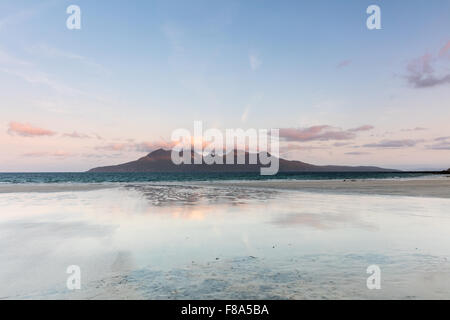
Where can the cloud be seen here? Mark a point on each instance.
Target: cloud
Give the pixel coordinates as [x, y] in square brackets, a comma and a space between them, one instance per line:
[394, 144]
[32, 9]
[137, 147]
[101, 155]
[151, 146]
[443, 144]
[430, 81]
[27, 130]
[28, 72]
[7, 59]
[442, 138]
[341, 144]
[255, 61]
[52, 53]
[174, 35]
[356, 153]
[253, 103]
[315, 133]
[421, 72]
[362, 128]
[114, 147]
[415, 129]
[57, 154]
[16, 18]
[344, 63]
[42, 78]
[77, 135]
[445, 50]
[244, 115]
[297, 147]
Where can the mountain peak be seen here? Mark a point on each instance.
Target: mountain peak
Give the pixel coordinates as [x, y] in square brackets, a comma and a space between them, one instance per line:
[158, 153]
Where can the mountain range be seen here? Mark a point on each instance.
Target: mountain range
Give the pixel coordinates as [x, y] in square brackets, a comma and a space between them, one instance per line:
[160, 161]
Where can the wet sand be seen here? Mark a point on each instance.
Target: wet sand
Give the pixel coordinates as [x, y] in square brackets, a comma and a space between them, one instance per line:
[226, 240]
[433, 186]
[427, 187]
[55, 187]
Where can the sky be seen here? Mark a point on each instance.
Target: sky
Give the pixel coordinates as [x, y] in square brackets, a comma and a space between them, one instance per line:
[117, 88]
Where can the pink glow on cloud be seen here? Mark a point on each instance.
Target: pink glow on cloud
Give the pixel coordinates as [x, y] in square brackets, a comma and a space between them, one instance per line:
[137, 147]
[429, 70]
[445, 50]
[58, 154]
[77, 135]
[27, 130]
[344, 63]
[362, 128]
[114, 147]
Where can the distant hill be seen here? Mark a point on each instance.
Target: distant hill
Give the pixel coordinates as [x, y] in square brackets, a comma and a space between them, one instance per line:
[160, 161]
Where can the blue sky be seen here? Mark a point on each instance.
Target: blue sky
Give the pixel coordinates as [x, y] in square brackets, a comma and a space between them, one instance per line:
[139, 69]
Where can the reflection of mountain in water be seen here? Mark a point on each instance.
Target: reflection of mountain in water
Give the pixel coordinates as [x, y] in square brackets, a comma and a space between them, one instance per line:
[182, 195]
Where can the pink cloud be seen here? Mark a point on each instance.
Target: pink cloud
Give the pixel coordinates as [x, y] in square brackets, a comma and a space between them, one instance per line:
[422, 73]
[362, 128]
[445, 50]
[27, 130]
[137, 147]
[57, 154]
[344, 63]
[406, 143]
[150, 146]
[114, 147]
[290, 147]
[77, 135]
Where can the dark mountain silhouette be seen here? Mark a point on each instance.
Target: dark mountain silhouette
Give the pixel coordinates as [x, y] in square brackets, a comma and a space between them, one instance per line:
[160, 161]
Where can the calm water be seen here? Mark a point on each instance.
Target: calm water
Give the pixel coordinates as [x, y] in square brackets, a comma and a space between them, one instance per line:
[87, 177]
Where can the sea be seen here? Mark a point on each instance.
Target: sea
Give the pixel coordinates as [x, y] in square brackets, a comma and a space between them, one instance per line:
[91, 177]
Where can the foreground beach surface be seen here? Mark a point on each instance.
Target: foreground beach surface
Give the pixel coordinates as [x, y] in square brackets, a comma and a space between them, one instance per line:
[438, 186]
[227, 240]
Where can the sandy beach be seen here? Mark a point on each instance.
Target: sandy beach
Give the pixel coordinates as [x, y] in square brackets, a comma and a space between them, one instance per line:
[51, 187]
[430, 186]
[438, 186]
[229, 240]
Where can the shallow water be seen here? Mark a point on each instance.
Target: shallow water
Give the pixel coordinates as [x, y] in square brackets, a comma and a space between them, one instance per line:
[141, 241]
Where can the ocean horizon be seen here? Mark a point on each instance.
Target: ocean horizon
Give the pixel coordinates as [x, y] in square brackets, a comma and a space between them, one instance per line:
[103, 177]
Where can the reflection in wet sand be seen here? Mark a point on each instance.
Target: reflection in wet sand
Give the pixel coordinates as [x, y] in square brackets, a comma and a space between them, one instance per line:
[176, 241]
[182, 195]
[321, 221]
[305, 277]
